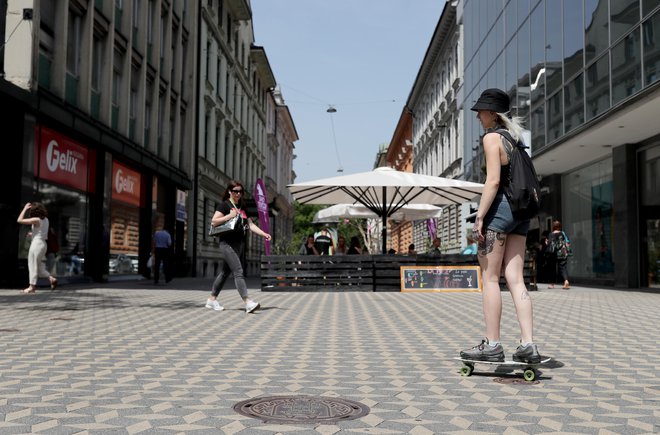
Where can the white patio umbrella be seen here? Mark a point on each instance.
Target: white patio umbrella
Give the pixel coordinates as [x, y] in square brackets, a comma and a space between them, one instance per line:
[408, 212]
[385, 190]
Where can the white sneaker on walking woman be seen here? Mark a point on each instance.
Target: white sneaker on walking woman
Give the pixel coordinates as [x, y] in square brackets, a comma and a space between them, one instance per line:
[251, 306]
[214, 305]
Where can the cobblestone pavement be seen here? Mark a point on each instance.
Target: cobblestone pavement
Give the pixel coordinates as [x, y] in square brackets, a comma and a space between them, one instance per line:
[132, 357]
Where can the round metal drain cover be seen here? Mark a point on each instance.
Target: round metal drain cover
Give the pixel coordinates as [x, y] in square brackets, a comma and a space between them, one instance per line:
[516, 381]
[301, 409]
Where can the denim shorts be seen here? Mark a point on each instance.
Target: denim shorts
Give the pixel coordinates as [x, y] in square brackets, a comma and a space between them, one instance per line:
[500, 218]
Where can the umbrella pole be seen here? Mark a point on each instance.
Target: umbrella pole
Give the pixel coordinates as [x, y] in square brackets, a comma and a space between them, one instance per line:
[384, 230]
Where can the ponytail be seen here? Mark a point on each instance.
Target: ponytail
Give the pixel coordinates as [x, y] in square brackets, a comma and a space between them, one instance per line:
[513, 125]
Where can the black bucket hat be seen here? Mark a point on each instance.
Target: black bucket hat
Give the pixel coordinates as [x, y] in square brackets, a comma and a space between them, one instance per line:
[492, 99]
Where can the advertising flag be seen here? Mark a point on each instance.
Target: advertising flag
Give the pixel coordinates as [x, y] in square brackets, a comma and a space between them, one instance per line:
[262, 210]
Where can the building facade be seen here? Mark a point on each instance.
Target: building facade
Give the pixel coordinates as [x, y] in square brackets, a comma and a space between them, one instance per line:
[102, 97]
[243, 129]
[438, 126]
[584, 77]
[281, 133]
[400, 157]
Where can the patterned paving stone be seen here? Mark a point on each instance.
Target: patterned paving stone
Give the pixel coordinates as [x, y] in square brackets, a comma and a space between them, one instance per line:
[132, 358]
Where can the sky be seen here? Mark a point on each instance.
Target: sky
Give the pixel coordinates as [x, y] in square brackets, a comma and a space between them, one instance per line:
[359, 56]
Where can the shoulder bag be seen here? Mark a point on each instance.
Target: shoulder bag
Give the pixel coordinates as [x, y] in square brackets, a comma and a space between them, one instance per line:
[225, 227]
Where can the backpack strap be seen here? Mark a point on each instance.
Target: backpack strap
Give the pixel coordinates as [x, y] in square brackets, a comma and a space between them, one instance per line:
[512, 143]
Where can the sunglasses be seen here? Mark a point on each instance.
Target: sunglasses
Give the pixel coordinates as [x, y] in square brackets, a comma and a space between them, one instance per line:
[237, 190]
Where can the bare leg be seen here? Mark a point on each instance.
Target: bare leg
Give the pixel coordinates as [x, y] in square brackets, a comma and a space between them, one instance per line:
[513, 271]
[491, 251]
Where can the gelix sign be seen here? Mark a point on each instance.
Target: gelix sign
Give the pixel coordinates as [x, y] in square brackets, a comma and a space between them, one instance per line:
[125, 184]
[63, 161]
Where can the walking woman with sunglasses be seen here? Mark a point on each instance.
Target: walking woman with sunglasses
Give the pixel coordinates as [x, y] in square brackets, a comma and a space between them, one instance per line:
[232, 246]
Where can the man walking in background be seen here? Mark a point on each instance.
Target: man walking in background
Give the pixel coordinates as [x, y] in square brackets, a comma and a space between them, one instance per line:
[162, 244]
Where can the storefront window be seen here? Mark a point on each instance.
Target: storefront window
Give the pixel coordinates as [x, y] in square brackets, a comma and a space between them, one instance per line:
[124, 220]
[650, 211]
[67, 238]
[587, 201]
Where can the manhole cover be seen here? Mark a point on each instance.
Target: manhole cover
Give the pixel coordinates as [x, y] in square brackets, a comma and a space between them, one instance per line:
[301, 409]
[516, 381]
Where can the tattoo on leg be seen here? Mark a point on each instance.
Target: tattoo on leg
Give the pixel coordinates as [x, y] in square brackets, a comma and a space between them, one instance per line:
[486, 246]
[525, 295]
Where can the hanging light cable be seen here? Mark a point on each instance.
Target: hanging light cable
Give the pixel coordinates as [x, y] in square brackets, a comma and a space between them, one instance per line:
[331, 110]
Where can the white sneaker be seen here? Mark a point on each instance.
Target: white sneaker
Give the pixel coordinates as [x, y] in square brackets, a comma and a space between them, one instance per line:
[214, 305]
[251, 306]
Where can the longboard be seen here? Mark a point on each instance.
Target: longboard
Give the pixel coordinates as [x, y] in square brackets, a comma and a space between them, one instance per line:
[529, 370]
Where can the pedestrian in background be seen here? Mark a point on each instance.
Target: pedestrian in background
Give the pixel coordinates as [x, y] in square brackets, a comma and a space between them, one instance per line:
[232, 246]
[324, 242]
[308, 248]
[39, 221]
[500, 235]
[471, 248]
[355, 248]
[52, 248]
[411, 249]
[435, 247]
[341, 246]
[559, 250]
[162, 252]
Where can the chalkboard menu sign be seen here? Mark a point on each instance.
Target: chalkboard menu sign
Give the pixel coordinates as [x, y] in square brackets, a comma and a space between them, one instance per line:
[440, 279]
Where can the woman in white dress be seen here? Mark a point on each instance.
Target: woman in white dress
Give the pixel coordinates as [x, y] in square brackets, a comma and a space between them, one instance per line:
[39, 221]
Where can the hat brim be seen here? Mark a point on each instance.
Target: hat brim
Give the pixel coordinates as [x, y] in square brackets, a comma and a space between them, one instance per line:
[493, 107]
[481, 106]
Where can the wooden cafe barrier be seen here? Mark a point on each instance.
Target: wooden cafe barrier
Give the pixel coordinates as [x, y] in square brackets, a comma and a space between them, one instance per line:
[358, 272]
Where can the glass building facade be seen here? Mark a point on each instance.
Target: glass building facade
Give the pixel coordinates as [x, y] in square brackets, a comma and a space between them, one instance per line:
[571, 67]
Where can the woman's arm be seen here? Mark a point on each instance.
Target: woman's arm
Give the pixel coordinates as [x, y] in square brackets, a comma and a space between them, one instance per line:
[255, 229]
[492, 147]
[27, 221]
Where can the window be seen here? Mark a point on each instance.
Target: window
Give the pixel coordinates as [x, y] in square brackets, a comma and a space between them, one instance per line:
[574, 103]
[97, 64]
[150, 21]
[555, 115]
[132, 111]
[651, 35]
[624, 14]
[596, 28]
[553, 47]
[573, 40]
[598, 87]
[136, 15]
[117, 77]
[73, 44]
[626, 67]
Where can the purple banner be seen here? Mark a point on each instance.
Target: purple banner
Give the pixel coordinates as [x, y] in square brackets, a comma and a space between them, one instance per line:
[262, 210]
[430, 224]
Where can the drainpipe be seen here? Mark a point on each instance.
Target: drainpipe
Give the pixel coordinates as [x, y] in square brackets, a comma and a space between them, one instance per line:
[196, 147]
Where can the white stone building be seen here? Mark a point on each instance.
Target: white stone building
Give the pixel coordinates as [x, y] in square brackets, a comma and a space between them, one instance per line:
[438, 125]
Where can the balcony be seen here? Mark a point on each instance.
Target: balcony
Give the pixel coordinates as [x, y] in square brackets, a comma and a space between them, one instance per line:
[241, 9]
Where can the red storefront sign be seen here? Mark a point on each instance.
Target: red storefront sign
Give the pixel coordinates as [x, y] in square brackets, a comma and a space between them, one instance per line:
[125, 184]
[63, 161]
